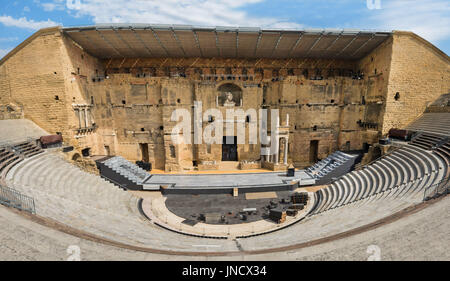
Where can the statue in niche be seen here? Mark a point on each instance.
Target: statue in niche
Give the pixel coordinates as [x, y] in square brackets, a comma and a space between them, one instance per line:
[229, 100]
[229, 95]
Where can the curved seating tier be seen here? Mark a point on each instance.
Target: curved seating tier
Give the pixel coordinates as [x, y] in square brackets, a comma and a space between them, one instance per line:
[407, 239]
[86, 202]
[404, 173]
[13, 154]
[435, 123]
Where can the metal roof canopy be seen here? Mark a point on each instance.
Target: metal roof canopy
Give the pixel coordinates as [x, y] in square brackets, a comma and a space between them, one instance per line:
[161, 40]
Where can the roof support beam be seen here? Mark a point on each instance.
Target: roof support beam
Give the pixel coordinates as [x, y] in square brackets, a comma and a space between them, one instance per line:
[237, 43]
[332, 44]
[197, 42]
[125, 42]
[142, 41]
[257, 43]
[217, 43]
[178, 41]
[159, 41]
[315, 43]
[295, 44]
[109, 43]
[363, 45]
[348, 45]
[276, 44]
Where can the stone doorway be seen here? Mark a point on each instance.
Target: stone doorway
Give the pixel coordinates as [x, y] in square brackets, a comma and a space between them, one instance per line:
[229, 149]
[144, 152]
[313, 151]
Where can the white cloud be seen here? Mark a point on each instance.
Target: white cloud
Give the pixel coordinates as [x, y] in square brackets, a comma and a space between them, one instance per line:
[55, 5]
[193, 12]
[25, 23]
[3, 52]
[8, 39]
[429, 19]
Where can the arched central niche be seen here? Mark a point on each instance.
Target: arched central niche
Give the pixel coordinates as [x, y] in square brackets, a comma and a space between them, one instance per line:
[229, 95]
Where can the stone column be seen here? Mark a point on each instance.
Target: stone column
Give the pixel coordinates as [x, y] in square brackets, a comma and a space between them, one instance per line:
[79, 117]
[286, 145]
[91, 117]
[86, 117]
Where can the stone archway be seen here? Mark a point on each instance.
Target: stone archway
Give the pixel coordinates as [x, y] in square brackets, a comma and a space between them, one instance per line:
[76, 157]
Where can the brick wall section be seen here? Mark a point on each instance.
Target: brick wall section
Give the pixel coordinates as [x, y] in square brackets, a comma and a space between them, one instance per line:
[420, 73]
[35, 77]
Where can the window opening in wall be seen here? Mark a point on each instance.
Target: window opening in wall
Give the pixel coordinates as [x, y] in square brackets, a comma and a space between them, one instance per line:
[86, 152]
[305, 73]
[124, 102]
[247, 118]
[366, 147]
[161, 128]
[397, 96]
[172, 151]
[210, 118]
[92, 100]
[142, 129]
[178, 101]
[107, 150]
[56, 97]
[314, 128]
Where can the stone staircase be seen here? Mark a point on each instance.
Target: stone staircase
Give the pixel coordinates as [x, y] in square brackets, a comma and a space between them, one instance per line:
[124, 174]
[334, 166]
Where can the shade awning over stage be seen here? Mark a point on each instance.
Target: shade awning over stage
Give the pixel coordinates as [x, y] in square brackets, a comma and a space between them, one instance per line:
[142, 40]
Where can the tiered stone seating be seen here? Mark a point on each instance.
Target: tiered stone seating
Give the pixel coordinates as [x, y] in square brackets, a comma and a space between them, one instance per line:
[404, 172]
[406, 239]
[13, 154]
[27, 149]
[334, 165]
[87, 202]
[427, 140]
[434, 123]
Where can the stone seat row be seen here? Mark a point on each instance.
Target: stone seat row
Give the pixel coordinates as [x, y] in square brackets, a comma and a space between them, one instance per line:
[410, 168]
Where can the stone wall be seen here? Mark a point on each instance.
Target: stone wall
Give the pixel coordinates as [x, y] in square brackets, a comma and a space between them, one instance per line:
[342, 105]
[419, 74]
[33, 78]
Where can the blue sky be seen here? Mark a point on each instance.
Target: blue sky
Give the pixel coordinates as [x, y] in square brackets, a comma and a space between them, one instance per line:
[428, 18]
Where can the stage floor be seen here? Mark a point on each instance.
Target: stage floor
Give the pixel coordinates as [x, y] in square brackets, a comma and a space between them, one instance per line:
[227, 180]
